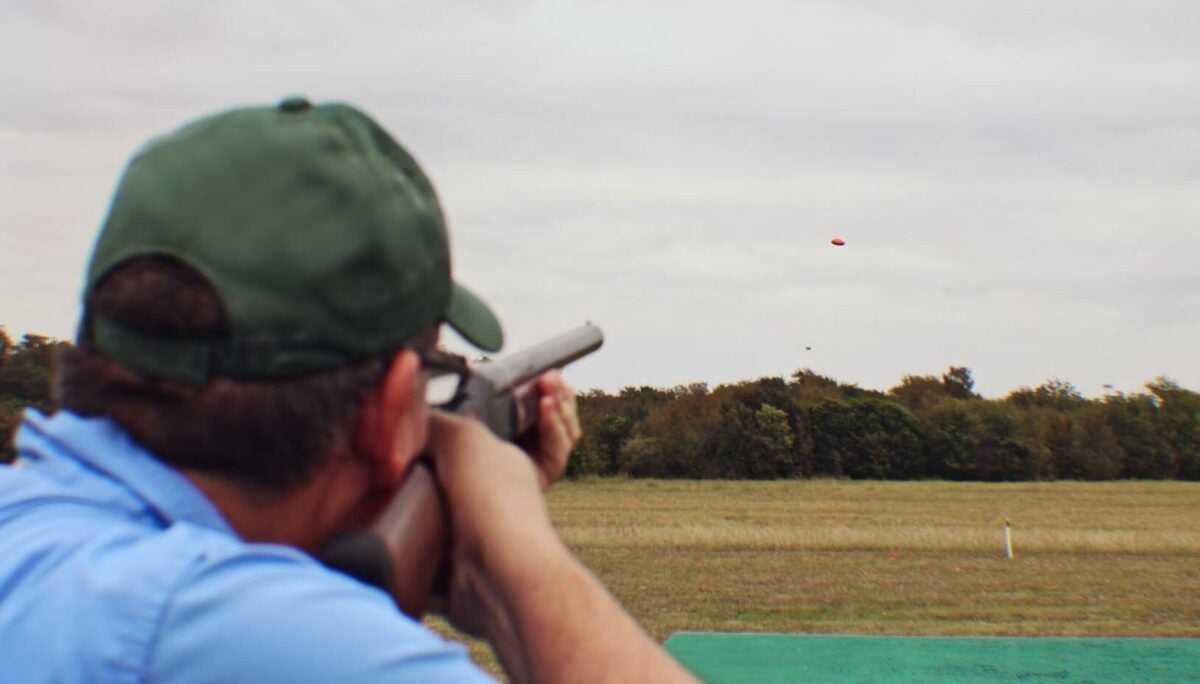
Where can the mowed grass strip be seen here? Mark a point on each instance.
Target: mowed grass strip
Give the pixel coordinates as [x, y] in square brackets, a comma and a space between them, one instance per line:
[724, 535]
[1146, 518]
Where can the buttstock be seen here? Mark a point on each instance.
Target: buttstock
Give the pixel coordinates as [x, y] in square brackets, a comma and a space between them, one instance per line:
[402, 552]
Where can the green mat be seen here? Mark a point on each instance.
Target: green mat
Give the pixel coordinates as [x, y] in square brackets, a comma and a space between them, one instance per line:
[765, 658]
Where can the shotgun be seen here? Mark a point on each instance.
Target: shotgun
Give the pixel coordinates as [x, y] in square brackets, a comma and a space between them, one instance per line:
[403, 552]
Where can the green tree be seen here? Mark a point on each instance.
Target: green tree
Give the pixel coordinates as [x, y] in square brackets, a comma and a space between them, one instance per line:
[828, 424]
[951, 441]
[773, 440]
[867, 438]
[1179, 425]
[1054, 393]
[1102, 455]
[740, 423]
[1030, 432]
[610, 434]
[608, 421]
[1060, 436]
[1133, 419]
[809, 388]
[755, 443]
[677, 438]
[1080, 444]
[641, 457]
[976, 439]
[918, 393]
[636, 402]
[999, 453]
[958, 383]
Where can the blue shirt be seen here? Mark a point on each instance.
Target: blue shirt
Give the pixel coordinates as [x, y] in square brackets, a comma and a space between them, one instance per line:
[114, 568]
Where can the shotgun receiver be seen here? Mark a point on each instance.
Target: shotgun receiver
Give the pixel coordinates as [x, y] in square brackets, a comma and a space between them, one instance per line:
[404, 550]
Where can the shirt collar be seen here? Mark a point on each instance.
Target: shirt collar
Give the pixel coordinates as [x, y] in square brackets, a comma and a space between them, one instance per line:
[104, 447]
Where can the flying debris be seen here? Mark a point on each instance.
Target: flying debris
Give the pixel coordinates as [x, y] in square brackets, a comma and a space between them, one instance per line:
[838, 241]
[808, 349]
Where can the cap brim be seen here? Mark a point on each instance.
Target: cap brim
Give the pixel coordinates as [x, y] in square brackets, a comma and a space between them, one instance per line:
[472, 319]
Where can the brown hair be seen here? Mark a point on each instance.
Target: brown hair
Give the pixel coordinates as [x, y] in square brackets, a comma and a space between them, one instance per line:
[269, 435]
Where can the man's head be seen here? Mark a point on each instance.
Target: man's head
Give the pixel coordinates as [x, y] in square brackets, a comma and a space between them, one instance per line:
[247, 259]
[321, 235]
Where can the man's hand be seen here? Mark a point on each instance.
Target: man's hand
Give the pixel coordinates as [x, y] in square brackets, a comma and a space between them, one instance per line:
[558, 429]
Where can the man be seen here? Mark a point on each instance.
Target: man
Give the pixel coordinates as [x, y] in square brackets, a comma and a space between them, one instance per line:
[260, 314]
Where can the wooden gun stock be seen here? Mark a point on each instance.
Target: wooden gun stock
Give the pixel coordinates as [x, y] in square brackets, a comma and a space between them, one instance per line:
[404, 550]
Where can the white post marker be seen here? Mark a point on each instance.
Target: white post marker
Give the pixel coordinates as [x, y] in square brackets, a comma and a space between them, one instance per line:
[1007, 541]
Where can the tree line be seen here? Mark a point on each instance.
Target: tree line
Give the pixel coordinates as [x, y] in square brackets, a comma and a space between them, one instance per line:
[810, 425]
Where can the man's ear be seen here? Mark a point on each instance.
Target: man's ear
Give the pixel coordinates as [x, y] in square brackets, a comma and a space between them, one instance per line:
[388, 432]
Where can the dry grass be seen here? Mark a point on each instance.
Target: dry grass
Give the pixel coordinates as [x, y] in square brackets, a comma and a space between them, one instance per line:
[1092, 559]
[1138, 518]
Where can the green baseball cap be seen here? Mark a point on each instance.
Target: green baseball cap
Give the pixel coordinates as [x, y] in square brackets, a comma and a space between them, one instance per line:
[322, 236]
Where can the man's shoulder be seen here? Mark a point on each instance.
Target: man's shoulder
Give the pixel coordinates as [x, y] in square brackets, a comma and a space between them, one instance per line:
[109, 593]
[273, 613]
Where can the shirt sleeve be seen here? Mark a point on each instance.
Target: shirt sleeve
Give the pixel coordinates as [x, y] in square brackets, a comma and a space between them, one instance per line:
[265, 615]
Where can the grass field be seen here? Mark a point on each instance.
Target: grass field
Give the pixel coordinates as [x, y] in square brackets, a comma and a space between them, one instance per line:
[916, 558]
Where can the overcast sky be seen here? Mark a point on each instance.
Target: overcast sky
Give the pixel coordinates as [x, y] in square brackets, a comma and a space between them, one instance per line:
[1017, 183]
